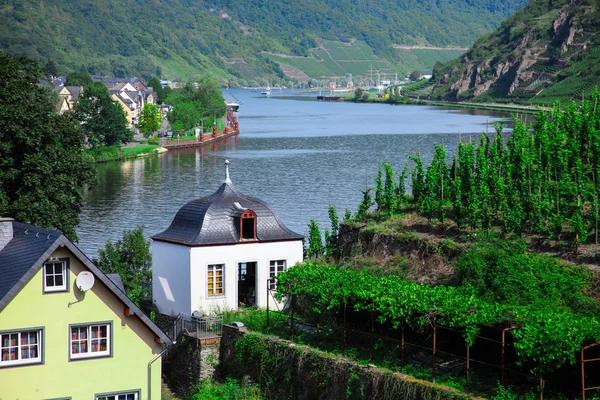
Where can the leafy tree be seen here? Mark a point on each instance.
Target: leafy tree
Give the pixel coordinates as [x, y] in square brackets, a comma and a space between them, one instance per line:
[155, 84]
[191, 105]
[102, 119]
[331, 239]
[415, 75]
[315, 241]
[366, 203]
[50, 68]
[43, 168]
[78, 79]
[149, 120]
[360, 95]
[130, 257]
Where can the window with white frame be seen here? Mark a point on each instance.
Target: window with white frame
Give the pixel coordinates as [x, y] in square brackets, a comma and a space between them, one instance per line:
[119, 396]
[275, 267]
[20, 347]
[90, 340]
[55, 275]
[214, 279]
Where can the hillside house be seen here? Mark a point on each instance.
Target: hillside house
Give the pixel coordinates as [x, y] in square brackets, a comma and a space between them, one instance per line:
[221, 251]
[67, 331]
[68, 96]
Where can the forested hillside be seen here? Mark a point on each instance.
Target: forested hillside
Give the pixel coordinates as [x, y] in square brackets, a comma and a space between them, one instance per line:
[546, 52]
[230, 39]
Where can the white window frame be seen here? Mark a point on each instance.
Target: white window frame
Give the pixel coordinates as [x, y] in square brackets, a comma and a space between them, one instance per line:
[88, 340]
[275, 267]
[65, 284]
[214, 268]
[19, 347]
[119, 395]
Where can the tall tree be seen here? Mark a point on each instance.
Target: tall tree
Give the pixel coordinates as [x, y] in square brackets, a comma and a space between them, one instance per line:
[154, 83]
[43, 168]
[102, 119]
[149, 120]
[130, 257]
[78, 79]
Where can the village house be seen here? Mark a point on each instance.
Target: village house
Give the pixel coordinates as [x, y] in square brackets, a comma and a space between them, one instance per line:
[219, 252]
[67, 331]
[68, 96]
[132, 98]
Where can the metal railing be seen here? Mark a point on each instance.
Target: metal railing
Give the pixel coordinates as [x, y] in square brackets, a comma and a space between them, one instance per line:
[201, 328]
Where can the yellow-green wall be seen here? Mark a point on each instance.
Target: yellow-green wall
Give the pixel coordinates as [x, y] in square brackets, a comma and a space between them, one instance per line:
[133, 344]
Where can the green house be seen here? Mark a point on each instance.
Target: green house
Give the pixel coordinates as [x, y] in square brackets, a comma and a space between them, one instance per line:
[67, 331]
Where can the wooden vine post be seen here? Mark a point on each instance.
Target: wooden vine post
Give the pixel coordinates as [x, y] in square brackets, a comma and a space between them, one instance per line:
[372, 331]
[402, 345]
[434, 348]
[345, 333]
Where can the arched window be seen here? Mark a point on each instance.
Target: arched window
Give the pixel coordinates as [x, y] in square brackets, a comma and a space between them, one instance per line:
[248, 225]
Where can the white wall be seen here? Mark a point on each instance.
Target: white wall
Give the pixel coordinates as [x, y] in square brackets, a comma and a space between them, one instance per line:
[231, 255]
[171, 277]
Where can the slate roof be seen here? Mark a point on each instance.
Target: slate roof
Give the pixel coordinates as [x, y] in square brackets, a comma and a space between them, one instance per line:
[27, 251]
[214, 220]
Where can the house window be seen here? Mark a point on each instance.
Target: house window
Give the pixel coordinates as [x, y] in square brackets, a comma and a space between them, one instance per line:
[275, 267]
[55, 276]
[24, 347]
[90, 341]
[119, 396]
[215, 280]
[248, 225]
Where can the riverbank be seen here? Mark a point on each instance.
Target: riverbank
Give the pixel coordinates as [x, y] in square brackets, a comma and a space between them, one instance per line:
[513, 108]
[113, 153]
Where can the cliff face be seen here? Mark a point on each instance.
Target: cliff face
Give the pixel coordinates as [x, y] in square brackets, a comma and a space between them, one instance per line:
[534, 56]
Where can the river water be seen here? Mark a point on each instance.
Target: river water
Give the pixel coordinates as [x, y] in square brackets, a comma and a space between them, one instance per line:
[297, 154]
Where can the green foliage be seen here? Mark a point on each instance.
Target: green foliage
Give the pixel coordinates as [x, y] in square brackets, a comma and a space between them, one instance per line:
[502, 272]
[103, 120]
[231, 389]
[548, 337]
[149, 120]
[43, 167]
[130, 257]
[415, 76]
[181, 42]
[193, 105]
[78, 79]
[542, 180]
[366, 203]
[155, 84]
[315, 240]
[360, 95]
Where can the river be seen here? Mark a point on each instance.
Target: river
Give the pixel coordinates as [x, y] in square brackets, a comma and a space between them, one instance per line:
[298, 154]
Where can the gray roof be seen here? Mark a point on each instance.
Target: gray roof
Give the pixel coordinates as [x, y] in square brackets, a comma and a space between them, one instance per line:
[27, 251]
[116, 278]
[214, 220]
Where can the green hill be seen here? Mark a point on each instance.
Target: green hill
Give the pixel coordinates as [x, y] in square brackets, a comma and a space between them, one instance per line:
[245, 40]
[545, 52]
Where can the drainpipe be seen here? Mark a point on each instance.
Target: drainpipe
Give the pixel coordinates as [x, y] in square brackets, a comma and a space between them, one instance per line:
[150, 369]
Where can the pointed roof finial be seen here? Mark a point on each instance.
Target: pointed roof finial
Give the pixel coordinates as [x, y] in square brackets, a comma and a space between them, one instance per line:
[227, 180]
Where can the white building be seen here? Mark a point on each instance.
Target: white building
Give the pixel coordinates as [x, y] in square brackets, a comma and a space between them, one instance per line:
[219, 252]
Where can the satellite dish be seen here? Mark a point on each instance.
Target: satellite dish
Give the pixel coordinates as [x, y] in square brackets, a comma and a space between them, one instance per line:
[84, 281]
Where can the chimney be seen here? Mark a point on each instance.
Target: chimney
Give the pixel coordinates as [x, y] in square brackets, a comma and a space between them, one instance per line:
[6, 231]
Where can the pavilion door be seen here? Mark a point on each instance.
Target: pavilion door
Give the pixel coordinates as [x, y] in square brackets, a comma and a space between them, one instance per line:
[247, 283]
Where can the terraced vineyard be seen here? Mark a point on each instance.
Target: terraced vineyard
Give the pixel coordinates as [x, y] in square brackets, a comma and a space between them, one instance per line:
[334, 58]
[414, 59]
[418, 89]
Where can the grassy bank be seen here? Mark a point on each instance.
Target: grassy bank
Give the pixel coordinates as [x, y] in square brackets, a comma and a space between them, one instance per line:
[113, 153]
